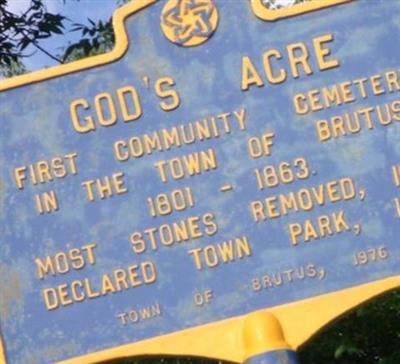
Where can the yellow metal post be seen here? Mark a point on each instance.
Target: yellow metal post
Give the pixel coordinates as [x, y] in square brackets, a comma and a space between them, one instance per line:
[264, 341]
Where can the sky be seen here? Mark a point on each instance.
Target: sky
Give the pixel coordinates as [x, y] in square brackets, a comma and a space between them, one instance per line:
[77, 11]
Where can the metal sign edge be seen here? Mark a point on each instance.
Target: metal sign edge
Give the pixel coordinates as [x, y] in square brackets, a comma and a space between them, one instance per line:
[226, 347]
[225, 339]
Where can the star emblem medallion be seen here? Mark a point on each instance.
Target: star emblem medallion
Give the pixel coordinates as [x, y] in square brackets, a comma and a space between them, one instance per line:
[189, 22]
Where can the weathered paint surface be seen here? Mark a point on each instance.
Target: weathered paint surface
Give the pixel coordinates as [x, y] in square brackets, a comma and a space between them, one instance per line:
[36, 126]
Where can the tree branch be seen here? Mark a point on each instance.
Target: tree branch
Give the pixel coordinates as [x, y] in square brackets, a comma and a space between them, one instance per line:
[47, 53]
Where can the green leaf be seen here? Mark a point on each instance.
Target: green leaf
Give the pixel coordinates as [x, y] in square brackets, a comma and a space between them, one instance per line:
[340, 351]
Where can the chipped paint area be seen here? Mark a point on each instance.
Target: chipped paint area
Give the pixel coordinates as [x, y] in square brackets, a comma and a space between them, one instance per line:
[11, 298]
[51, 353]
[279, 4]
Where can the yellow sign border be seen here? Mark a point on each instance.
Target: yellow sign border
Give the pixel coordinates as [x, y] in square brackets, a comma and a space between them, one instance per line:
[121, 46]
[122, 42]
[264, 13]
[2, 353]
[225, 339]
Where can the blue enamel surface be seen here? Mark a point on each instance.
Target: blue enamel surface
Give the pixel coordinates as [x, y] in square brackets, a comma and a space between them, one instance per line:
[36, 125]
[274, 357]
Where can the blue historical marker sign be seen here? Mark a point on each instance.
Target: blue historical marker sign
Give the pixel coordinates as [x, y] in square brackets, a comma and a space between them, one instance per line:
[224, 164]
